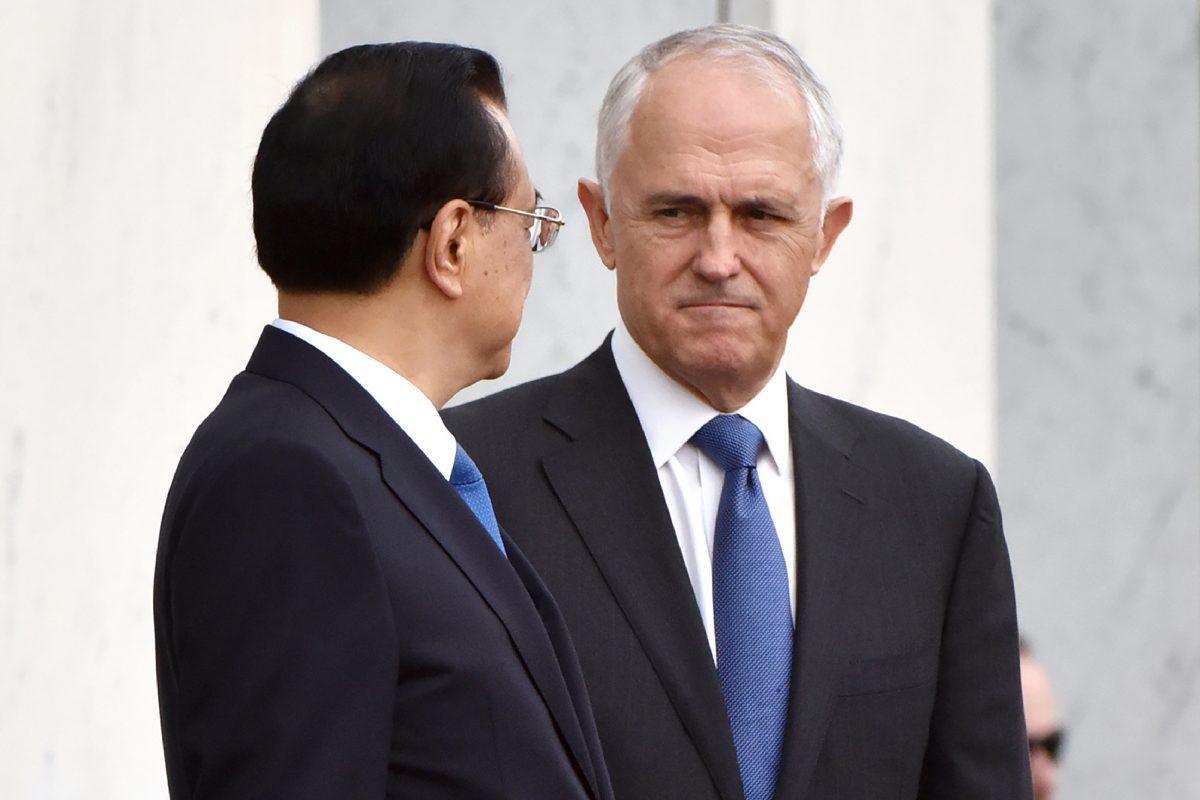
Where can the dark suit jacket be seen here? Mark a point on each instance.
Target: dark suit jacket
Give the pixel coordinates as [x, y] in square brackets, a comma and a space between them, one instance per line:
[332, 621]
[905, 677]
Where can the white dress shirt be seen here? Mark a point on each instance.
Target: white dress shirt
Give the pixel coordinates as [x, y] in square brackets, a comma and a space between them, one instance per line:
[403, 402]
[691, 481]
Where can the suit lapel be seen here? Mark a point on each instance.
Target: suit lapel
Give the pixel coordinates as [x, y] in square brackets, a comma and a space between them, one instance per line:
[418, 485]
[460, 534]
[830, 498]
[593, 766]
[606, 482]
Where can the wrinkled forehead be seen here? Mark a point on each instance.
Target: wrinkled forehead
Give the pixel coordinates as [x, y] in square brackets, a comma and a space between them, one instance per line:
[707, 118]
[721, 94]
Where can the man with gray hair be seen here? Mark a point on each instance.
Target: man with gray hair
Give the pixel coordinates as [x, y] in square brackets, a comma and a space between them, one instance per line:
[774, 594]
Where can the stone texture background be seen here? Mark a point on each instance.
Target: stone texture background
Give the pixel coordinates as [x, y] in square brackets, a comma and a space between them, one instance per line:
[1098, 292]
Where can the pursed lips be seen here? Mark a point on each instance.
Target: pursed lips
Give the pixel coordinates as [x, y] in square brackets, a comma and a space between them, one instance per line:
[717, 303]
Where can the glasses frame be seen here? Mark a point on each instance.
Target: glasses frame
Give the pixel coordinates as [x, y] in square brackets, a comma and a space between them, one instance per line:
[539, 214]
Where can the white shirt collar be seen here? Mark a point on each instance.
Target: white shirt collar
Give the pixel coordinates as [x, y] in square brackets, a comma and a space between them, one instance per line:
[671, 415]
[403, 402]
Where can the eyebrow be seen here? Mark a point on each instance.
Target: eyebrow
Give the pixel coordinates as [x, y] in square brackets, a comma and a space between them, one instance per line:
[774, 204]
[695, 201]
[675, 199]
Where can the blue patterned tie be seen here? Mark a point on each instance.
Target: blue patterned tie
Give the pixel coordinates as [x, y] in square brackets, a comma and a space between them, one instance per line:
[751, 606]
[468, 482]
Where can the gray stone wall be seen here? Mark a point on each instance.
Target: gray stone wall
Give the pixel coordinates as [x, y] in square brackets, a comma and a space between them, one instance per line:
[1098, 203]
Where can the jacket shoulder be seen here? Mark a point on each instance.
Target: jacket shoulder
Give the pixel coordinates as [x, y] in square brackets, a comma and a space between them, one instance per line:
[260, 422]
[884, 444]
[510, 410]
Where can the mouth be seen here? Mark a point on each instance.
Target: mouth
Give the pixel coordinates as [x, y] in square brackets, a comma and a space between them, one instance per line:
[715, 304]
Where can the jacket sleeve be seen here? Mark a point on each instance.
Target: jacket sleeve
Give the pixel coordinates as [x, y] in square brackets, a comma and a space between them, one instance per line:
[977, 745]
[280, 635]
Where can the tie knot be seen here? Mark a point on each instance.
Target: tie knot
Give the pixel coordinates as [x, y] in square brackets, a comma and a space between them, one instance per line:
[464, 470]
[731, 440]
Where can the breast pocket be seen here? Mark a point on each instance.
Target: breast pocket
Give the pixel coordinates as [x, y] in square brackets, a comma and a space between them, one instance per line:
[889, 673]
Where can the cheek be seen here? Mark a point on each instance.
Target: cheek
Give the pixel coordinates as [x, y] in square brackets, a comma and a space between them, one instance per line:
[519, 291]
[786, 300]
[787, 274]
[797, 245]
[651, 267]
[509, 281]
[516, 269]
[645, 294]
[525, 272]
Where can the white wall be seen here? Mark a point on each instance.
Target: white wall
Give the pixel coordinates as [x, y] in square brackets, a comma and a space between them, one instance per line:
[131, 296]
[902, 317]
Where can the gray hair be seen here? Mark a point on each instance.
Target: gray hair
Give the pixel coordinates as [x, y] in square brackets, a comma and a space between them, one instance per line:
[760, 50]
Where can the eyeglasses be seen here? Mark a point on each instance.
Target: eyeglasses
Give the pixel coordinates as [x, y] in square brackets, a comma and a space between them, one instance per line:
[546, 222]
[1050, 744]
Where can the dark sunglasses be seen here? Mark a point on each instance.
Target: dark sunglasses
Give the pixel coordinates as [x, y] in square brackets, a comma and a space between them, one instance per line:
[1051, 744]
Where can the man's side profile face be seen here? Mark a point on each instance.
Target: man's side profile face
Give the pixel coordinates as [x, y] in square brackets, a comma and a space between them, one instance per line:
[713, 223]
[383, 198]
[498, 281]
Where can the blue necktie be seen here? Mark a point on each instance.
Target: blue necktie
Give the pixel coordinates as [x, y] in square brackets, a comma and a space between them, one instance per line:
[751, 607]
[468, 482]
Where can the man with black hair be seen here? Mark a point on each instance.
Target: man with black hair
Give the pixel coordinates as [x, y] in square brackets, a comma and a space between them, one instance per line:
[337, 612]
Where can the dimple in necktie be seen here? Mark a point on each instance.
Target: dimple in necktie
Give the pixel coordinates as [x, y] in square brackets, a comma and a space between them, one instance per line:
[467, 480]
[751, 606]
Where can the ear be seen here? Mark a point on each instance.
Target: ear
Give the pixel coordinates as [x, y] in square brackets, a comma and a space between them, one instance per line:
[837, 217]
[591, 197]
[446, 250]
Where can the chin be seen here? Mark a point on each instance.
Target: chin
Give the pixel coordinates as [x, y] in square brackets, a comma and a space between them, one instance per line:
[722, 369]
[498, 365]
[728, 352]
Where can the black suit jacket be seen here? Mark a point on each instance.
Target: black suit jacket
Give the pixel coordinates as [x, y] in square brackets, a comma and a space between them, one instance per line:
[332, 621]
[905, 677]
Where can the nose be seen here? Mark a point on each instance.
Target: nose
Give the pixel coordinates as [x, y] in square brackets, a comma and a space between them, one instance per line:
[717, 259]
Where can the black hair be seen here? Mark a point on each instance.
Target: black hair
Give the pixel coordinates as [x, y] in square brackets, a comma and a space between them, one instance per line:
[367, 148]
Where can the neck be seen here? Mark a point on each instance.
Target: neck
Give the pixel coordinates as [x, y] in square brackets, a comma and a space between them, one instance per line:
[397, 334]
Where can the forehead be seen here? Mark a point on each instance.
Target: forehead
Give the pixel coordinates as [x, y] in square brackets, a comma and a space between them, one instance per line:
[719, 120]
